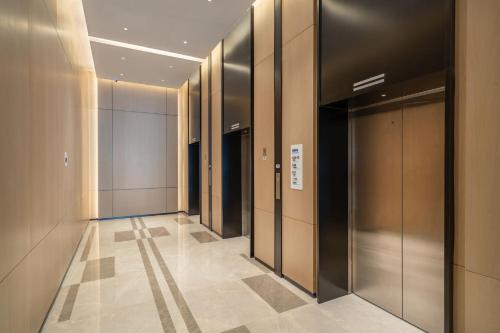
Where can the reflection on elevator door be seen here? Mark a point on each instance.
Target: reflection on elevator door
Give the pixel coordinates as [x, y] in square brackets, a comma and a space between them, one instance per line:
[397, 204]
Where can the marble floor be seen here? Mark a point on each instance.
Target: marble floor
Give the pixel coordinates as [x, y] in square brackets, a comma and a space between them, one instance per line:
[170, 274]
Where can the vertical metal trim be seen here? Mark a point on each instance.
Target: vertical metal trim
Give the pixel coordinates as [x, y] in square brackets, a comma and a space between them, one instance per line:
[316, 160]
[186, 168]
[209, 93]
[200, 155]
[221, 134]
[278, 71]
[252, 169]
[449, 232]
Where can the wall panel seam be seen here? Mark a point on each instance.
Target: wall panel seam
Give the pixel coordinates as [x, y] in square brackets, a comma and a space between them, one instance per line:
[264, 59]
[298, 220]
[297, 35]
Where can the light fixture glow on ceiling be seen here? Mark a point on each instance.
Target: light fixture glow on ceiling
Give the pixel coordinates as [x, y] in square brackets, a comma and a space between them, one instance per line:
[144, 49]
[123, 58]
[185, 42]
[121, 74]
[125, 28]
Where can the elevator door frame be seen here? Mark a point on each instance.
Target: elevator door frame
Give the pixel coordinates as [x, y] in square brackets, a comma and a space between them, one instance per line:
[327, 291]
[402, 112]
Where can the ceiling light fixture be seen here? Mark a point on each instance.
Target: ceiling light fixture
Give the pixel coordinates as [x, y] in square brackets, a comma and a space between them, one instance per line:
[125, 28]
[121, 74]
[185, 42]
[123, 58]
[162, 80]
[144, 49]
[170, 66]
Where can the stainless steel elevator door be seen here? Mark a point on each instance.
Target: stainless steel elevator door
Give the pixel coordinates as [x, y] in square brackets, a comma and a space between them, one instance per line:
[423, 214]
[397, 208]
[376, 194]
[246, 181]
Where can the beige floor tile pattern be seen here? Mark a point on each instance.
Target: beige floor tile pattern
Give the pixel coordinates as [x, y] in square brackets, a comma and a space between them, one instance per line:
[209, 276]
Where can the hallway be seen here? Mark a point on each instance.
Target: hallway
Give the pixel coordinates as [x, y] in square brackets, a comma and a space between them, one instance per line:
[168, 273]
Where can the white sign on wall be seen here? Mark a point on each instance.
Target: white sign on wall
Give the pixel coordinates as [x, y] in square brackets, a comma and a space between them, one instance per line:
[296, 167]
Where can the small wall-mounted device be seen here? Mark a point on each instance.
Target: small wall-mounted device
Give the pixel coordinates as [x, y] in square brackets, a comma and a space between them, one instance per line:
[235, 126]
[66, 159]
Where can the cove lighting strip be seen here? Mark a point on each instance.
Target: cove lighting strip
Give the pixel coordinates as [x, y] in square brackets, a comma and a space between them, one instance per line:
[143, 49]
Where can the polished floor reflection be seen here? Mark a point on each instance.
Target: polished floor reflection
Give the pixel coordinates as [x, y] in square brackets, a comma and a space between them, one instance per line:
[170, 274]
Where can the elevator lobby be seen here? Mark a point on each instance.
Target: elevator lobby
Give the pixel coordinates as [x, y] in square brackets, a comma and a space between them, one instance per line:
[235, 166]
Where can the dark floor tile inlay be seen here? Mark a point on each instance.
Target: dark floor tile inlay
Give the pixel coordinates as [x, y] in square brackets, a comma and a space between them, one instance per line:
[276, 295]
[158, 231]
[183, 220]
[203, 237]
[123, 236]
[240, 329]
[69, 303]
[88, 245]
[99, 269]
[161, 305]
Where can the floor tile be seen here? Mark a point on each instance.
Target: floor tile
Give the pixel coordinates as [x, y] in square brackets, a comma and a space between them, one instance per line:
[203, 237]
[158, 231]
[276, 295]
[99, 269]
[183, 220]
[222, 288]
[123, 236]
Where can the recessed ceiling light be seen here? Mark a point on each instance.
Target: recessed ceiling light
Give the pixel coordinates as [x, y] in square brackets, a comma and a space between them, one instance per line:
[170, 66]
[209, 0]
[162, 80]
[185, 42]
[383, 95]
[144, 49]
[121, 74]
[125, 28]
[123, 58]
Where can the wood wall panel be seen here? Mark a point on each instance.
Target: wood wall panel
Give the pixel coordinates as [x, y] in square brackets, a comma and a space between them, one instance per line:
[299, 127]
[183, 147]
[264, 231]
[15, 136]
[297, 16]
[298, 252]
[216, 76]
[264, 135]
[263, 18]
[477, 157]
[48, 90]
[205, 211]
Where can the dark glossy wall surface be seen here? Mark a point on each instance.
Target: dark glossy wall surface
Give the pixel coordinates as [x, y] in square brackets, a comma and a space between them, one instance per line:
[195, 107]
[237, 80]
[365, 38]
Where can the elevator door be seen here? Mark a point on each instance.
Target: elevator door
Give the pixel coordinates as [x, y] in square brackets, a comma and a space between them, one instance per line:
[246, 190]
[423, 214]
[377, 207]
[397, 205]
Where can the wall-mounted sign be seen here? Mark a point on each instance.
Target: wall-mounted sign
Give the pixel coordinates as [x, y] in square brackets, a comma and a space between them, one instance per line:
[296, 167]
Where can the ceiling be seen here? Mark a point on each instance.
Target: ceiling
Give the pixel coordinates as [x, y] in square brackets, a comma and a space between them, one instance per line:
[158, 24]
